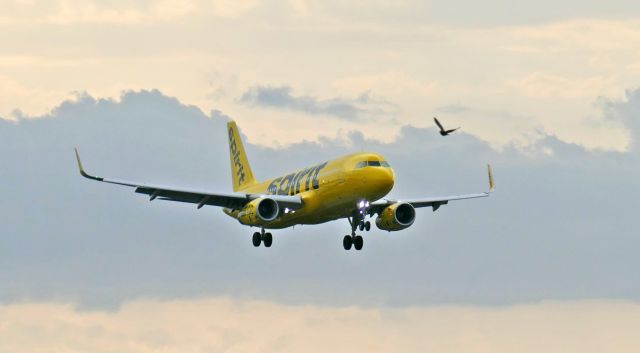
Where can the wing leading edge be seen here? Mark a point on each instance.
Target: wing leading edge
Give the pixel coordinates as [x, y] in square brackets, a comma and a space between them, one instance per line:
[198, 197]
[435, 202]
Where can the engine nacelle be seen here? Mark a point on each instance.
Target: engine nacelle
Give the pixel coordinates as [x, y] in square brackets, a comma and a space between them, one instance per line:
[258, 212]
[396, 217]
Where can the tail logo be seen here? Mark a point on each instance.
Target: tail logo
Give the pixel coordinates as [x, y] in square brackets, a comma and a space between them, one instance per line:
[236, 156]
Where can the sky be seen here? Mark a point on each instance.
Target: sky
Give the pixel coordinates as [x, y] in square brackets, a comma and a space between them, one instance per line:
[545, 92]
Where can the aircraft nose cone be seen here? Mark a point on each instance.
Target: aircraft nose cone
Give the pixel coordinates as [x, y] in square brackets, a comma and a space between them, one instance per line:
[385, 179]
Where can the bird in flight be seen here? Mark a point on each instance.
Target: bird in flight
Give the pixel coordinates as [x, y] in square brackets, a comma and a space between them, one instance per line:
[443, 132]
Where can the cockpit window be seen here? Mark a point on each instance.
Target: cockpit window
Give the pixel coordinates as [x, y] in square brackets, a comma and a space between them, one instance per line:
[363, 164]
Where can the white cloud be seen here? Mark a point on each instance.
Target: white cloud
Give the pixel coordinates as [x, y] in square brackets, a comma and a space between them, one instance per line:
[71, 12]
[76, 12]
[395, 83]
[585, 33]
[14, 95]
[219, 325]
[168, 9]
[524, 70]
[547, 86]
[233, 8]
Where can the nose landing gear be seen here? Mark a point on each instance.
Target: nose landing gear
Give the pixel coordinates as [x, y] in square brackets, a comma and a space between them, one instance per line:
[364, 226]
[357, 221]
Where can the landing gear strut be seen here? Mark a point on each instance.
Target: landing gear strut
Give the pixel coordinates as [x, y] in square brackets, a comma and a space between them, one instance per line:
[262, 237]
[357, 222]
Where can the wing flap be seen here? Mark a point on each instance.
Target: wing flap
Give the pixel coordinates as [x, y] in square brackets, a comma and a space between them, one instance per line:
[200, 198]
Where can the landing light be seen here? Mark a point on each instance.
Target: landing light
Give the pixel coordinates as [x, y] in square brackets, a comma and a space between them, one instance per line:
[361, 204]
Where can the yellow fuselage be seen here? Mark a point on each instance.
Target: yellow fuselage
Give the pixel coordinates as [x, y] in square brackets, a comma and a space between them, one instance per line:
[329, 190]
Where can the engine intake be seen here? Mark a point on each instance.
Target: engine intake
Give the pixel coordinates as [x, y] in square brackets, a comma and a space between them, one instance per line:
[267, 209]
[259, 212]
[396, 217]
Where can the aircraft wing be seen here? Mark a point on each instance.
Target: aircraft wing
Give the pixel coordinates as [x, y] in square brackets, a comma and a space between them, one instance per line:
[434, 202]
[231, 200]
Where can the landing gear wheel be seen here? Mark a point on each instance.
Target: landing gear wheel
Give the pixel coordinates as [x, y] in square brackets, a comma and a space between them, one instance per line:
[367, 225]
[256, 239]
[347, 242]
[361, 226]
[358, 242]
[267, 239]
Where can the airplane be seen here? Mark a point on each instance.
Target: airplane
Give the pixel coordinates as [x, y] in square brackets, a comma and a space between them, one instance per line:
[352, 187]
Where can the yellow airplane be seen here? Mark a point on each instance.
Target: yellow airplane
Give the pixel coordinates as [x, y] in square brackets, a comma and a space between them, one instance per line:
[352, 187]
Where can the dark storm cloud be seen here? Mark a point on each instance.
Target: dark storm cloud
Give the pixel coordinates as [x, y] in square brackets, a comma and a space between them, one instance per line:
[560, 226]
[282, 98]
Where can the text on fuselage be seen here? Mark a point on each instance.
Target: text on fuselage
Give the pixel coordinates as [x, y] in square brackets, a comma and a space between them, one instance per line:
[293, 183]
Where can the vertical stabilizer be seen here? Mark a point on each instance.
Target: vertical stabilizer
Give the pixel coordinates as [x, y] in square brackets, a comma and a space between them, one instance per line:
[241, 173]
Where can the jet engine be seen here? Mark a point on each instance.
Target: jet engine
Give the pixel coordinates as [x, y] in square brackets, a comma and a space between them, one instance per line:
[259, 211]
[397, 216]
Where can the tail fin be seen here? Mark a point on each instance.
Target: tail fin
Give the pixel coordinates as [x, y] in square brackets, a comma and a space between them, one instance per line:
[240, 170]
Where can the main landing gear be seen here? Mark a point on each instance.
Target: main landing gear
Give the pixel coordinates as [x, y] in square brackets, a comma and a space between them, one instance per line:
[262, 237]
[355, 240]
[357, 221]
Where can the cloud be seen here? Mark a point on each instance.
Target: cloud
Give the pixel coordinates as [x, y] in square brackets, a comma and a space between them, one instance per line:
[625, 111]
[525, 131]
[454, 109]
[76, 12]
[233, 8]
[364, 107]
[15, 94]
[417, 65]
[542, 85]
[492, 13]
[557, 227]
[222, 325]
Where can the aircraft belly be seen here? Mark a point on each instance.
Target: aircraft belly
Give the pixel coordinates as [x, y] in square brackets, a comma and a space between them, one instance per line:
[333, 201]
[324, 205]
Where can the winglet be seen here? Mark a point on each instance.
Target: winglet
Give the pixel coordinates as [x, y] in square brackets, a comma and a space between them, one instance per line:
[492, 185]
[81, 169]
